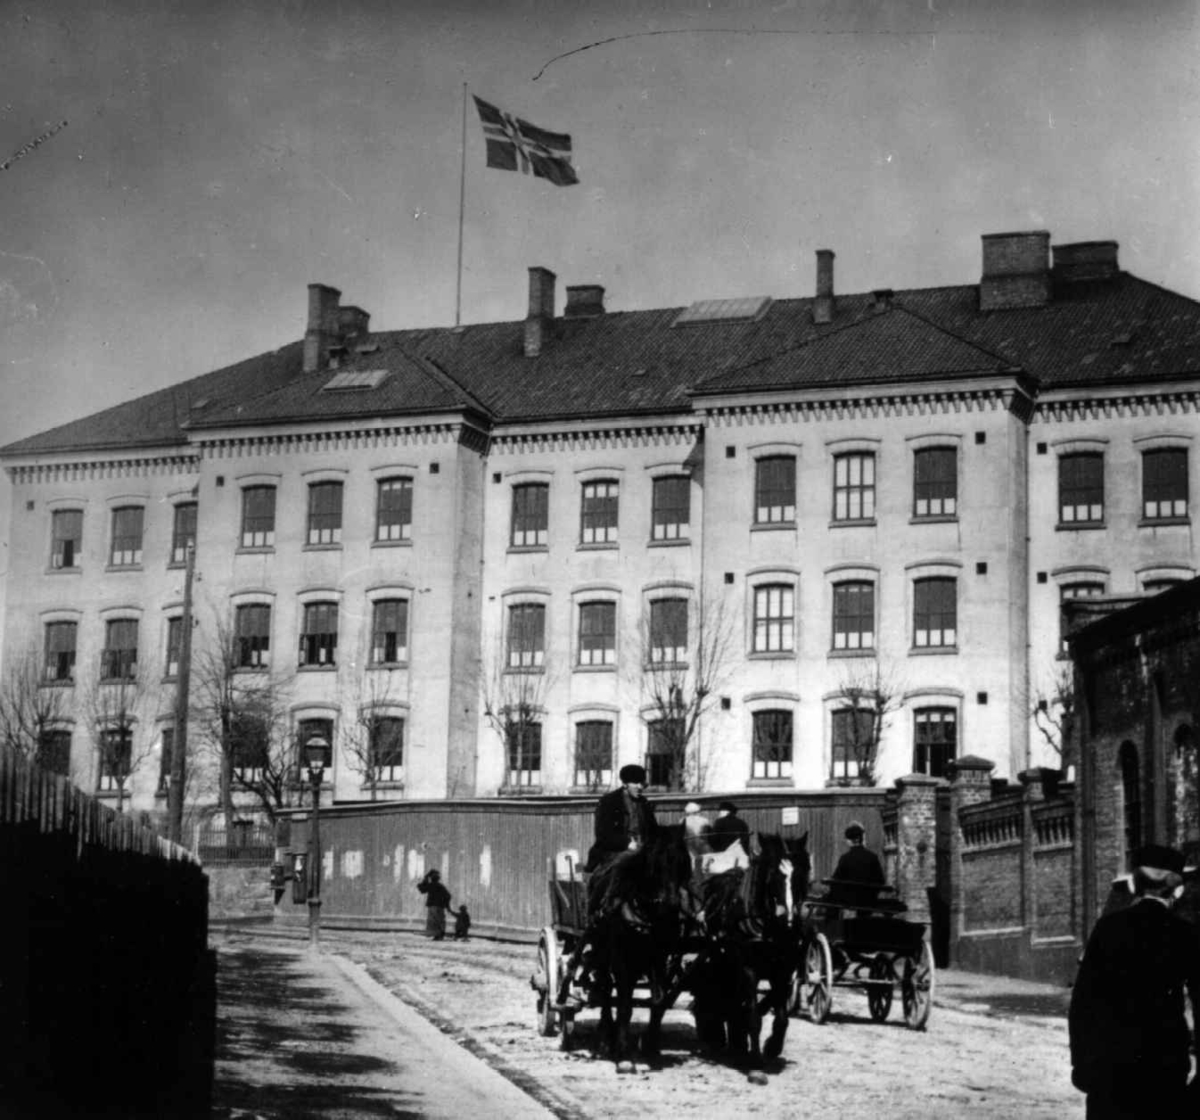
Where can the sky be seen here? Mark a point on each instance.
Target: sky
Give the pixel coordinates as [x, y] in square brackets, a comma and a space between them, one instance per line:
[220, 156]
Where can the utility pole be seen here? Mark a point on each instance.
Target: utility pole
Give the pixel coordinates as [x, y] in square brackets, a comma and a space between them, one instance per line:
[179, 745]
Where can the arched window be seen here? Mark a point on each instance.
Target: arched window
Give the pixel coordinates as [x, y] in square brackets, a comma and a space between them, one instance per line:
[1131, 799]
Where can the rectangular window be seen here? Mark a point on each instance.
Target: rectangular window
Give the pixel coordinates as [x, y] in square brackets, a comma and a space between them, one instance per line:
[854, 615]
[389, 631]
[530, 515]
[775, 489]
[599, 513]
[593, 753]
[1082, 590]
[772, 744]
[935, 741]
[249, 748]
[1165, 484]
[1081, 489]
[66, 538]
[526, 636]
[54, 751]
[525, 755]
[318, 640]
[935, 612]
[164, 762]
[670, 509]
[668, 631]
[258, 517]
[118, 660]
[306, 731]
[854, 486]
[935, 482]
[60, 651]
[597, 634]
[853, 733]
[174, 633]
[325, 513]
[252, 636]
[116, 758]
[183, 532]
[774, 618]
[664, 750]
[393, 510]
[387, 748]
[126, 536]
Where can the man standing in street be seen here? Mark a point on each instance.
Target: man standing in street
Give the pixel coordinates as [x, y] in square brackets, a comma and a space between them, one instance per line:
[1129, 1034]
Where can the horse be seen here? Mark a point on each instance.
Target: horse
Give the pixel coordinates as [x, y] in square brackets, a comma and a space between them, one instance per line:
[636, 935]
[752, 927]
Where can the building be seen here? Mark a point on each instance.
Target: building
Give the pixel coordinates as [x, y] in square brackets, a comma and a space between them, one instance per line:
[751, 542]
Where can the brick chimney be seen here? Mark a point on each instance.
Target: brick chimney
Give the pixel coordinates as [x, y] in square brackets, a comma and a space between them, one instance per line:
[823, 305]
[1085, 260]
[1016, 270]
[541, 309]
[584, 301]
[322, 329]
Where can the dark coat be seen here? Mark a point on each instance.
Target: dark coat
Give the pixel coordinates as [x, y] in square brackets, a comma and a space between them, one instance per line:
[435, 892]
[860, 865]
[725, 830]
[615, 828]
[1126, 1020]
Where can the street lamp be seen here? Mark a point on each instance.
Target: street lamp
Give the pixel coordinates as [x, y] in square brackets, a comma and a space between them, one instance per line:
[314, 757]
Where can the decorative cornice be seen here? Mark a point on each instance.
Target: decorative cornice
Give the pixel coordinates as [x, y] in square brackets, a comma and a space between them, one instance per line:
[93, 470]
[886, 405]
[1123, 406]
[599, 439]
[346, 439]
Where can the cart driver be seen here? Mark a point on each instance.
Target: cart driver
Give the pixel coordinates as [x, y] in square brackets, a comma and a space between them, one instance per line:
[859, 874]
[624, 821]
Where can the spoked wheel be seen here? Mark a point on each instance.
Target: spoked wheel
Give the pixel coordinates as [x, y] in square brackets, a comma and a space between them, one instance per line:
[549, 964]
[916, 987]
[816, 990]
[881, 993]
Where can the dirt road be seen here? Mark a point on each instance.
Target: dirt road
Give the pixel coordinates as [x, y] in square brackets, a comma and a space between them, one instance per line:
[965, 1063]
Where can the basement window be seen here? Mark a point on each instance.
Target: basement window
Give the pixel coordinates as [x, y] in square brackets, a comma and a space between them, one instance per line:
[354, 379]
[747, 309]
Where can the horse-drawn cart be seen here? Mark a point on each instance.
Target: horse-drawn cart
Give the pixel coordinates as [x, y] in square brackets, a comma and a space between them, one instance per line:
[855, 937]
[557, 945]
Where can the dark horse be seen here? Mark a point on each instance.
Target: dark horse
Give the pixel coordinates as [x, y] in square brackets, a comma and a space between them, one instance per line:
[636, 938]
[752, 929]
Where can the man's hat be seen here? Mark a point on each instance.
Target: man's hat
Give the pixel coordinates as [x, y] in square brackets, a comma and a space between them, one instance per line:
[727, 807]
[633, 773]
[855, 830]
[692, 807]
[1159, 857]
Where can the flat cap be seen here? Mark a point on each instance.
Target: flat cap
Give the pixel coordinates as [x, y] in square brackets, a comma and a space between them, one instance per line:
[1159, 857]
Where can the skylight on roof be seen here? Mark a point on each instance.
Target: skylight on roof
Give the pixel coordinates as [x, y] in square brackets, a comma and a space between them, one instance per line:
[354, 379]
[745, 309]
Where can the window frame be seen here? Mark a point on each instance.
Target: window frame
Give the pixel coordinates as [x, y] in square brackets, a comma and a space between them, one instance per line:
[529, 520]
[772, 760]
[599, 513]
[398, 605]
[126, 547]
[1080, 487]
[930, 755]
[772, 506]
[259, 522]
[326, 505]
[107, 780]
[850, 494]
[308, 727]
[66, 558]
[936, 487]
[318, 647]
[842, 616]
[395, 755]
[1096, 587]
[252, 643]
[657, 776]
[521, 640]
[58, 656]
[120, 654]
[664, 624]
[596, 644]
[773, 632]
[670, 508]
[1160, 486]
[524, 777]
[843, 744]
[50, 750]
[174, 646]
[929, 610]
[593, 777]
[393, 513]
[180, 535]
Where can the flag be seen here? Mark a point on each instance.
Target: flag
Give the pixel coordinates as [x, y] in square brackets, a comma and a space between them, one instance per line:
[513, 143]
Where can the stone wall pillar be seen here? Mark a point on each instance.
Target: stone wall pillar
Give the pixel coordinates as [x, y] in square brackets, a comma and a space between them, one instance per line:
[916, 842]
[970, 783]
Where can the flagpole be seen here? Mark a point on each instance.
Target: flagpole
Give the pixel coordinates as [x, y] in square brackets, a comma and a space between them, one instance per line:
[462, 196]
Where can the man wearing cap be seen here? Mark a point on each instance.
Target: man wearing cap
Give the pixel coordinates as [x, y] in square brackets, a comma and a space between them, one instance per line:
[624, 818]
[1129, 1035]
[728, 829]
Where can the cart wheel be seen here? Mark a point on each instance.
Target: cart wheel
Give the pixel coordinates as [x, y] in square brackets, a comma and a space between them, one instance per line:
[881, 993]
[549, 962]
[816, 992]
[916, 987]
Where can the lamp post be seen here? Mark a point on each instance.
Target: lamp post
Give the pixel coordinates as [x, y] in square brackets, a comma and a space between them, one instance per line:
[314, 756]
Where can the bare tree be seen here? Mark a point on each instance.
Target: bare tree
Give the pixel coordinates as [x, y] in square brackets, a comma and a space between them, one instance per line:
[33, 705]
[1052, 708]
[374, 743]
[114, 703]
[515, 684]
[871, 691]
[240, 715]
[685, 645]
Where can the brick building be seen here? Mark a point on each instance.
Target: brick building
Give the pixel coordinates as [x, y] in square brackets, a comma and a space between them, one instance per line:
[739, 541]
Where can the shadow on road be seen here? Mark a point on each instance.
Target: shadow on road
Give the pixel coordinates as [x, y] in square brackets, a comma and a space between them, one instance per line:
[286, 1047]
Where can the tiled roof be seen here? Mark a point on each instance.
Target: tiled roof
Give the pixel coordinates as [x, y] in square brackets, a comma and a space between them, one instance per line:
[636, 363]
